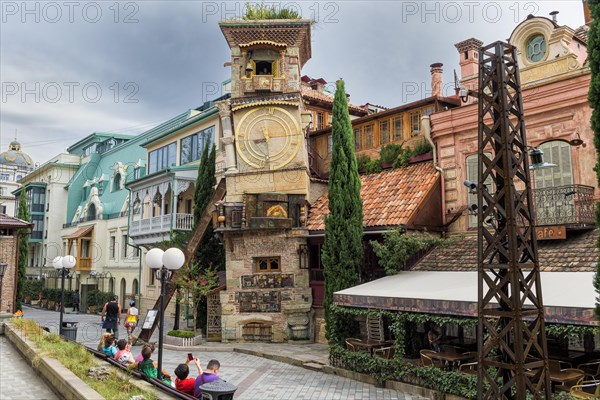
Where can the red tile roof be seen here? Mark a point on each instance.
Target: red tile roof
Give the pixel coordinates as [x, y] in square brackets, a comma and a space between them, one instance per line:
[309, 94]
[12, 222]
[390, 198]
[578, 253]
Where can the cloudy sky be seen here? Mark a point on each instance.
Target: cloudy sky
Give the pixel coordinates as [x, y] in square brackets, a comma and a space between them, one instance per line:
[70, 68]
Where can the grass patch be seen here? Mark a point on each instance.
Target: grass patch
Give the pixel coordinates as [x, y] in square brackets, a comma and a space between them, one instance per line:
[77, 359]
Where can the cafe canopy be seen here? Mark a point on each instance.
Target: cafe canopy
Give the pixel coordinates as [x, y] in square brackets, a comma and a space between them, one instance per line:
[568, 297]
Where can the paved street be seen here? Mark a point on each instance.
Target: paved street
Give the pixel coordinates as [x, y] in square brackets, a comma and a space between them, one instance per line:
[17, 379]
[256, 377]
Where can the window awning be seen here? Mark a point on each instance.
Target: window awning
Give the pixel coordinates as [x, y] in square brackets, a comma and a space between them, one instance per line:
[569, 297]
[81, 232]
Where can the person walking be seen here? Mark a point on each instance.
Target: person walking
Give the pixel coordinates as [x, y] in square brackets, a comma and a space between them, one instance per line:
[76, 300]
[112, 310]
[131, 320]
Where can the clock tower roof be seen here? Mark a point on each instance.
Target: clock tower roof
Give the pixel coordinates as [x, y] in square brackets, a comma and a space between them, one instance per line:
[289, 32]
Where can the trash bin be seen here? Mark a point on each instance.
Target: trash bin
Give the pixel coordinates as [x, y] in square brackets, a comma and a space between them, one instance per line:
[218, 390]
[69, 330]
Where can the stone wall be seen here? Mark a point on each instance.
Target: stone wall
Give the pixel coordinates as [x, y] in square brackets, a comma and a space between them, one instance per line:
[279, 301]
[8, 254]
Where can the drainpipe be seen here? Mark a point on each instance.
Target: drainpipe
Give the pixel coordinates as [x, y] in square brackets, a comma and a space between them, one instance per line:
[129, 217]
[426, 126]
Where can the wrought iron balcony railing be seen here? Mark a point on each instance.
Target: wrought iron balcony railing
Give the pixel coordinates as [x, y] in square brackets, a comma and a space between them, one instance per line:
[564, 205]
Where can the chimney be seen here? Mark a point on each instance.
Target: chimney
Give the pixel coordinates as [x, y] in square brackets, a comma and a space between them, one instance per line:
[587, 15]
[554, 14]
[468, 51]
[436, 79]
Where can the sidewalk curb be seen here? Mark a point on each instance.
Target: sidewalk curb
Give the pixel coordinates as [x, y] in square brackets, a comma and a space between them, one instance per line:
[60, 379]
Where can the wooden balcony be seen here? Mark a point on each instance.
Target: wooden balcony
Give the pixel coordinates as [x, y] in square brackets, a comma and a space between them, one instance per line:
[570, 205]
[83, 264]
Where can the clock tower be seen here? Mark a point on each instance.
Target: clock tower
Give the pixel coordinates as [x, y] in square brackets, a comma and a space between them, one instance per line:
[262, 219]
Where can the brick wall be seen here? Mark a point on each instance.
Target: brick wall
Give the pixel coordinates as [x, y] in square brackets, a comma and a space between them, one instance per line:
[8, 254]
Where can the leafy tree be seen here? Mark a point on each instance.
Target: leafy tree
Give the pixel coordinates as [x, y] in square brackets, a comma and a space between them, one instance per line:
[23, 213]
[196, 284]
[205, 182]
[593, 49]
[342, 248]
[398, 247]
[262, 11]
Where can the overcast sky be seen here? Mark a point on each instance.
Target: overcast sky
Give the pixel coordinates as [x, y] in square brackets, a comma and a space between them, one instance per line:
[70, 68]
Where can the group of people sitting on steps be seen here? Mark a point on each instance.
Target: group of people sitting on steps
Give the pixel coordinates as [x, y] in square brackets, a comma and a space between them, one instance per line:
[121, 352]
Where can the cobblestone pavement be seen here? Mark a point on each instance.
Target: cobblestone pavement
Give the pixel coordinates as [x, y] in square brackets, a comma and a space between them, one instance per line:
[18, 381]
[255, 377]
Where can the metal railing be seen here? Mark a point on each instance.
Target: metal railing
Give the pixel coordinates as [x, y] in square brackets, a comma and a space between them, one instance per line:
[162, 223]
[564, 205]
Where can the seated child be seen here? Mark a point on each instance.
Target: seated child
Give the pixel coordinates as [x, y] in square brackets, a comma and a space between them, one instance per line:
[124, 355]
[146, 366]
[183, 383]
[109, 348]
[149, 367]
[140, 357]
[103, 340]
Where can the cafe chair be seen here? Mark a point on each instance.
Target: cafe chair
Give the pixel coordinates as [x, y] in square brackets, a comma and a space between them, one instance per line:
[557, 365]
[591, 369]
[566, 385]
[386, 352]
[468, 368]
[470, 356]
[427, 361]
[351, 344]
[586, 390]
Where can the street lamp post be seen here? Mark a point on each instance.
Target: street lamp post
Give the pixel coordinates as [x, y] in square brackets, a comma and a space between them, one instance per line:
[165, 262]
[63, 265]
[2, 272]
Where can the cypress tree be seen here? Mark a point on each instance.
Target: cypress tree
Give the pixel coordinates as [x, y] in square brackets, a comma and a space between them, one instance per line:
[210, 254]
[205, 182]
[22, 213]
[593, 50]
[342, 248]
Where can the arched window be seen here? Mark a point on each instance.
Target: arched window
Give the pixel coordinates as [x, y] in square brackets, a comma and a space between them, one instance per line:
[111, 285]
[117, 182]
[91, 215]
[134, 288]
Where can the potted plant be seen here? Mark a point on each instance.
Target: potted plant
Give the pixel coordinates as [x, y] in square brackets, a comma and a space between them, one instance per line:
[362, 161]
[421, 152]
[389, 153]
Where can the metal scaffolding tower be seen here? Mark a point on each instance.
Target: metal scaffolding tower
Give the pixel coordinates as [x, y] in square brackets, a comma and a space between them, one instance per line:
[512, 352]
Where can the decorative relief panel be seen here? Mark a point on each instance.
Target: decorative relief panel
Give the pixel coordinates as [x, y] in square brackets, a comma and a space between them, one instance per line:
[267, 281]
[259, 301]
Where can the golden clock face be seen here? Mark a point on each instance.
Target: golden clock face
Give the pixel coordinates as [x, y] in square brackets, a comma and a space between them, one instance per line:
[268, 137]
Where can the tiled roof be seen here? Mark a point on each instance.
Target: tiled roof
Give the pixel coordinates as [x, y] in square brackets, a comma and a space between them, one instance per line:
[390, 198]
[578, 253]
[582, 33]
[7, 221]
[310, 94]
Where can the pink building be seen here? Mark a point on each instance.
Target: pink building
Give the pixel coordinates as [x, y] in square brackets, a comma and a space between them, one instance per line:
[555, 78]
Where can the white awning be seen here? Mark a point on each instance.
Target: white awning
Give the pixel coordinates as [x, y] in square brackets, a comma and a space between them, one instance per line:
[568, 297]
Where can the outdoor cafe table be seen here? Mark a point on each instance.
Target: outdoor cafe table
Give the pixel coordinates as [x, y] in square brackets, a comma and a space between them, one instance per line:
[370, 345]
[563, 376]
[452, 359]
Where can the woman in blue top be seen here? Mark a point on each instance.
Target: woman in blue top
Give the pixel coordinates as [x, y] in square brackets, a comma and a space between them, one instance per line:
[109, 348]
